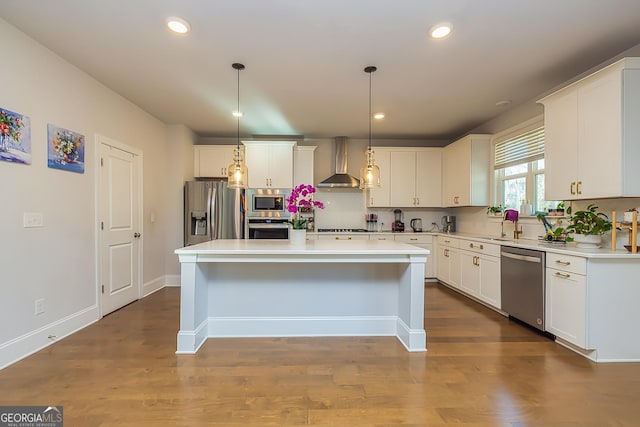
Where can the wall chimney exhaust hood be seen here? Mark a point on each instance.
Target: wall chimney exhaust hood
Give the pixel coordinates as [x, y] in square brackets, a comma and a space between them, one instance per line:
[341, 179]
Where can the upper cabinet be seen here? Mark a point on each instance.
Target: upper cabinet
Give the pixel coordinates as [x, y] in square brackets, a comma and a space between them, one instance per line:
[270, 163]
[381, 197]
[211, 161]
[466, 171]
[303, 164]
[592, 135]
[416, 177]
[410, 177]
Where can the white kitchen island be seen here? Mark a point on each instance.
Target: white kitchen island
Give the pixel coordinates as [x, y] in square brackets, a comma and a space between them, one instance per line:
[272, 288]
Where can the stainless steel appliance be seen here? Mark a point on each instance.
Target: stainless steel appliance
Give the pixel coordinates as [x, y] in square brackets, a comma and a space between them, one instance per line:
[212, 211]
[340, 179]
[267, 203]
[522, 284]
[267, 228]
[342, 230]
[449, 224]
[267, 214]
[416, 224]
[397, 225]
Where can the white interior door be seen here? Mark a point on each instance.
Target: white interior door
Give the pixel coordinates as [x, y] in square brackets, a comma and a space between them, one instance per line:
[119, 227]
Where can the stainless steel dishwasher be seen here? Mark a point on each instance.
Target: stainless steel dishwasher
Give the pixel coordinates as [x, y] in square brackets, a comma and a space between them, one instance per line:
[522, 284]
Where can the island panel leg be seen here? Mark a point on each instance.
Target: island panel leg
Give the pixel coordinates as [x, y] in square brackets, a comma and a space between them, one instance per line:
[193, 308]
[410, 329]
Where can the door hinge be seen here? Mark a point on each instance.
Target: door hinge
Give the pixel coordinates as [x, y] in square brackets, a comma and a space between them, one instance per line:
[103, 289]
[101, 225]
[101, 161]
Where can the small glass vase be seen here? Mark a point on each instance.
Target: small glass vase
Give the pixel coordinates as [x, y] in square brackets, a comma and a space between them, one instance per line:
[298, 237]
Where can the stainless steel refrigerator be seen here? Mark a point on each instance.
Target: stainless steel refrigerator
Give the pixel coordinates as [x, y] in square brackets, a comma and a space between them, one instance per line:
[212, 211]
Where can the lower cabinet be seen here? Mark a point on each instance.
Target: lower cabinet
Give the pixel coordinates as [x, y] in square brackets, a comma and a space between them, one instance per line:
[357, 236]
[424, 241]
[566, 297]
[448, 259]
[480, 271]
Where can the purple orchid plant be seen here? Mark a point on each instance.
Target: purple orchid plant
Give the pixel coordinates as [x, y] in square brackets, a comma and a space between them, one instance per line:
[301, 200]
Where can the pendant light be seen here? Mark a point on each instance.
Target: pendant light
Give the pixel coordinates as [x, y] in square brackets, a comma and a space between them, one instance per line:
[237, 172]
[369, 172]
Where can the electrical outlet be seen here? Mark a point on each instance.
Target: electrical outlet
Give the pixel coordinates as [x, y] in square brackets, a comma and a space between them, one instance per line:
[32, 219]
[40, 306]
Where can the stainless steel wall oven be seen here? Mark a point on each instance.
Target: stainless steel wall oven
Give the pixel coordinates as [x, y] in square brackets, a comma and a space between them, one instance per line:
[267, 214]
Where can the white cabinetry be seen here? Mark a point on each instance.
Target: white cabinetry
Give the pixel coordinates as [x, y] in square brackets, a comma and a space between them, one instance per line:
[480, 271]
[591, 134]
[448, 259]
[270, 163]
[565, 299]
[343, 236]
[416, 177]
[303, 164]
[424, 241]
[381, 197]
[211, 161]
[466, 171]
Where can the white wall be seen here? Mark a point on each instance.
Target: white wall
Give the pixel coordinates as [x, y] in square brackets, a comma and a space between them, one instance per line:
[180, 141]
[58, 261]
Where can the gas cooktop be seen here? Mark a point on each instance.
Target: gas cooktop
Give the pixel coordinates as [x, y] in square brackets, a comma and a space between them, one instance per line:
[342, 230]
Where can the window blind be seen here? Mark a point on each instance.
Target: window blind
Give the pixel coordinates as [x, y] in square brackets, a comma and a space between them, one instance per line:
[523, 148]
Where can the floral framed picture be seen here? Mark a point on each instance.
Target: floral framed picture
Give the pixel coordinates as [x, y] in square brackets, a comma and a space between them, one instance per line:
[65, 149]
[15, 137]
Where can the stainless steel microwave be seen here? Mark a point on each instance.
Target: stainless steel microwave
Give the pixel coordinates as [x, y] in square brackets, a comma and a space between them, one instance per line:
[267, 202]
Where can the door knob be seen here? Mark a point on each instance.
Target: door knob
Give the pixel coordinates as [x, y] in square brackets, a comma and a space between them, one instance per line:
[136, 235]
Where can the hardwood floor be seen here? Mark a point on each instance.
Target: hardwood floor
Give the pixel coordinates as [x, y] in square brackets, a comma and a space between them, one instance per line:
[480, 370]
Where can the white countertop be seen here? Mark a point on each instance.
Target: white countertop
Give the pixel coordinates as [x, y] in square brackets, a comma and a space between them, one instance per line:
[567, 249]
[311, 247]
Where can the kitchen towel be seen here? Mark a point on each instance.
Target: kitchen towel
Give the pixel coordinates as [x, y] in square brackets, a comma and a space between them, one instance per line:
[511, 215]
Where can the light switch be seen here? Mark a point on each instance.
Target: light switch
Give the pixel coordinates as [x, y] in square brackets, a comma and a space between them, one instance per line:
[33, 219]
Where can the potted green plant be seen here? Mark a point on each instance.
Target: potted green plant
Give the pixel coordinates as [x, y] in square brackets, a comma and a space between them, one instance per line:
[495, 210]
[588, 226]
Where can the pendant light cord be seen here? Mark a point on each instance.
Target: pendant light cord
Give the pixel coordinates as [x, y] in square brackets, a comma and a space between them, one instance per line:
[370, 69]
[238, 67]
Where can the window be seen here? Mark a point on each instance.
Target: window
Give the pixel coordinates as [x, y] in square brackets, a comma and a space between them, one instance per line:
[519, 167]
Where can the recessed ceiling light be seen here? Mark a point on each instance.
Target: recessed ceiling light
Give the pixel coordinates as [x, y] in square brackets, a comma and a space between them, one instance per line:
[441, 30]
[378, 116]
[178, 25]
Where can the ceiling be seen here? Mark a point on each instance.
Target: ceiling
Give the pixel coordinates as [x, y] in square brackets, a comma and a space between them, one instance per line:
[305, 59]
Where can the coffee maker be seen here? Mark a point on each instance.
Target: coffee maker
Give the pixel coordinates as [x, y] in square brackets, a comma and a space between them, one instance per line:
[449, 224]
[398, 225]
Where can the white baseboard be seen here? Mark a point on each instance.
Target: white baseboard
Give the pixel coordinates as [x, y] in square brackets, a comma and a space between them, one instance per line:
[27, 344]
[153, 286]
[172, 280]
[300, 326]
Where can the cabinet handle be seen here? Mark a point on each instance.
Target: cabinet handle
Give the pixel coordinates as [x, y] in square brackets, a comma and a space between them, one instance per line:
[348, 238]
[572, 189]
[337, 238]
[371, 202]
[382, 238]
[413, 238]
[446, 253]
[578, 190]
[447, 241]
[563, 262]
[562, 275]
